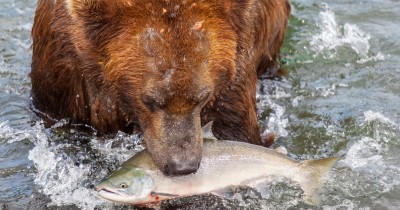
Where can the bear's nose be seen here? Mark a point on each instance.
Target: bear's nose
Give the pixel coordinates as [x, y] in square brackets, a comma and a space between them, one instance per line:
[181, 167]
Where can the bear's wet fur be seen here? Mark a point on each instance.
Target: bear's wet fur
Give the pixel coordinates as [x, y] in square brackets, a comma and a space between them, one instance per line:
[163, 67]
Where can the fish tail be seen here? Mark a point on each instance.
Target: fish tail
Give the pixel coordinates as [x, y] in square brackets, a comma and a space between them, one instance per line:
[317, 170]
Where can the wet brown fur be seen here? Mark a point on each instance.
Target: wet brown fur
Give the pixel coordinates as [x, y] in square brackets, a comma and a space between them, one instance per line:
[115, 64]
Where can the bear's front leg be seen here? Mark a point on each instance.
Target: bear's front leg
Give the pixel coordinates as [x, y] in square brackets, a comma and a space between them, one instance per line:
[235, 116]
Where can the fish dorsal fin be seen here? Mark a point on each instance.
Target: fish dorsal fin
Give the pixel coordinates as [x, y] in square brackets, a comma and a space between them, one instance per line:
[282, 150]
[207, 131]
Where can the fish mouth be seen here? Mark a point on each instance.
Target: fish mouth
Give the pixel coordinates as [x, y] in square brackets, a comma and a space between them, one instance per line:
[108, 193]
[115, 196]
[105, 190]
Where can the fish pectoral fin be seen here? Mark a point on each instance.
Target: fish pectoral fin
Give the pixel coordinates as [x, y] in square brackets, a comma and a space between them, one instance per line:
[161, 194]
[207, 131]
[257, 182]
[220, 192]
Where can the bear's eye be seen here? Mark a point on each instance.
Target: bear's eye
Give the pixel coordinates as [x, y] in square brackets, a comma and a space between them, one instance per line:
[152, 102]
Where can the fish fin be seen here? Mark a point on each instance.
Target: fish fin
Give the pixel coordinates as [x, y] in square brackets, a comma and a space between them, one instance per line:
[259, 182]
[282, 150]
[318, 169]
[222, 192]
[207, 131]
[164, 194]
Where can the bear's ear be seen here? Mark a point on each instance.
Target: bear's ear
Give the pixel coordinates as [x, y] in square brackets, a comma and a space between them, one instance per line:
[89, 10]
[238, 10]
[233, 6]
[96, 18]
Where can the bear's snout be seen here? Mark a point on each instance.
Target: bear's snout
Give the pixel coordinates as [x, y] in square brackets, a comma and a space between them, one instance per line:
[181, 166]
[178, 157]
[175, 142]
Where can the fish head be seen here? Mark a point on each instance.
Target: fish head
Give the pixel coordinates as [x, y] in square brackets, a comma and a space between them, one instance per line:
[129, 185]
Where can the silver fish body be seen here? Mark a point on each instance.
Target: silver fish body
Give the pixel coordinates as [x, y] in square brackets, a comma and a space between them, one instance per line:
[224, 163]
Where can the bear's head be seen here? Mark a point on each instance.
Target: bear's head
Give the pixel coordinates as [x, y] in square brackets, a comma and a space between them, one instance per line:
[163, 60]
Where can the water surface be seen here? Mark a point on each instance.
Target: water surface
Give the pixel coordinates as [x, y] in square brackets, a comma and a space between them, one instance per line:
[340, 98]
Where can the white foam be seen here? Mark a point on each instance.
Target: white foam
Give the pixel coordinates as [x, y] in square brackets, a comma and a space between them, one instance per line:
[376, 116]
[377, 57]
[331, 36]
[65, 182]
[6, 132]
[269, 96]
[120, 153]
[367, 159]
[326, 91]
[365, 153]
[59, 178]
[368, 152]
[356, 39]
[11, 135]
[297, 100]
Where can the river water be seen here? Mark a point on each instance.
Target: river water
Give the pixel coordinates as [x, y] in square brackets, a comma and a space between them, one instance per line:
[341, 98]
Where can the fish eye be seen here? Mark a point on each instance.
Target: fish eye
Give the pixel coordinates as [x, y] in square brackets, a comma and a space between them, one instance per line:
[123, 185]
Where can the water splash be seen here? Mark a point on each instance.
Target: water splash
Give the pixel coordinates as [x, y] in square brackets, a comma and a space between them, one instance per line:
[326, 90]
[367, 171]
[59, 177]
[378, 57]
[371, 116]
[270, 96]
[272, 193]
[366, 152]
[332, 36]
[67, 170]
[11, 135]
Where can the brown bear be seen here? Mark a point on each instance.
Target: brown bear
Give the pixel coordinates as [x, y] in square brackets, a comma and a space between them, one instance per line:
[163, 67]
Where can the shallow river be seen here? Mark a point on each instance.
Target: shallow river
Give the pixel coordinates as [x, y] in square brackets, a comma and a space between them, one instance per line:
[341, 98]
